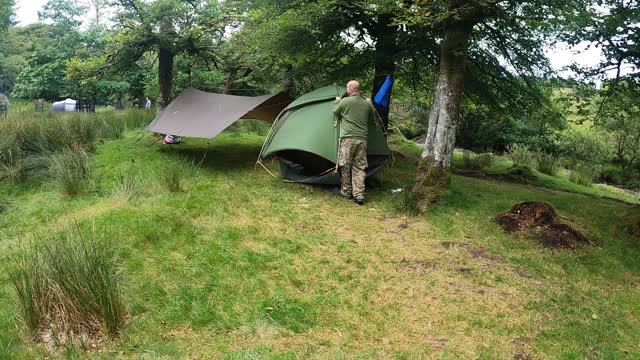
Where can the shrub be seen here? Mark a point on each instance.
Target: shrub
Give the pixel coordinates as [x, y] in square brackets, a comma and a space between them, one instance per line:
[520, 154]
[407, 203]
[484, 161]
[68, 285]
[583, 173]
[580, 178]
[17, 166]
[468, 158]
[127, 185]
[547, 163]
[71, 171]
[583, 146]
[478, 162]
[521, 174]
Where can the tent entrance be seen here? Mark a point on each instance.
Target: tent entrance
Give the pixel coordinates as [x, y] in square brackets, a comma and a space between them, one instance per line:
[305, 167]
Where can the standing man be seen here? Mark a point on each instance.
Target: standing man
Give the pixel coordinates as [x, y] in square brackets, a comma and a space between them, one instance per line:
[355, 114]
[147, 103]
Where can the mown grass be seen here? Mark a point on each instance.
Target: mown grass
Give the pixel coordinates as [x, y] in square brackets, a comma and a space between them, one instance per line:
[243, 265]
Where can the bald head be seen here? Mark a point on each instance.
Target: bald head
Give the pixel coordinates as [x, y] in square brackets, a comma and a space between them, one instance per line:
[353, 88]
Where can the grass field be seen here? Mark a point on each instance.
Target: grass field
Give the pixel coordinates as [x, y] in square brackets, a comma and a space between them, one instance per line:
[240, 265]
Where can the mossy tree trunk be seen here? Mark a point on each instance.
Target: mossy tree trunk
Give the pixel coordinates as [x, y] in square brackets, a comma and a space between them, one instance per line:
[434, 170]
[166, 55]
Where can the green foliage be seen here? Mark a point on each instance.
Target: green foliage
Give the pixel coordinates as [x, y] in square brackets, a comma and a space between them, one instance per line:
[620, 119]
[581, 177]
[547, 163]
[410, 117]
[483, 161]
[68, 284]
[521, 154]
[521, 173]
[584, 146]
[70, 169]
[477, 161]
[7, 14]
[612, 24]
[252, 126]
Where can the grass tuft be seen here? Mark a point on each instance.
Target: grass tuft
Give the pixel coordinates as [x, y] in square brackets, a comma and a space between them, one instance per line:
[520, 154]
[5, 203]
[66, 286]
[127, 186]
[173, 176]
[406, 203]
[547, 163]
[71, 171]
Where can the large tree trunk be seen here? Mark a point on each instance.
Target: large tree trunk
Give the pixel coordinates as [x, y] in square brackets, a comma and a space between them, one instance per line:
[165, 77]
[385, 51]
[434, 171]
[166, 55]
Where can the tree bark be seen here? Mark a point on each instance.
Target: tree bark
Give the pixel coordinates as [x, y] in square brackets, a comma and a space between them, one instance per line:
[434, 170]
[165, 77]
[386, 49]
[166, 56]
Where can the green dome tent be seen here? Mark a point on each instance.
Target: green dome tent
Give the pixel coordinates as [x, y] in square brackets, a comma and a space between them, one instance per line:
[306, 143]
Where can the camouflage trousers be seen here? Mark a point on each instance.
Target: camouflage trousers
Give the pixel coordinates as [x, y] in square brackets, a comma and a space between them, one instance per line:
[352, 161]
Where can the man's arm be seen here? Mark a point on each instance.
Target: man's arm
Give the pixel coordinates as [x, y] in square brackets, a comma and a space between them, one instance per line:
[337, 111]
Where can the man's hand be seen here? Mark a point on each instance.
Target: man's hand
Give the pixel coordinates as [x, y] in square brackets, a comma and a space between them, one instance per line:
[338, 98]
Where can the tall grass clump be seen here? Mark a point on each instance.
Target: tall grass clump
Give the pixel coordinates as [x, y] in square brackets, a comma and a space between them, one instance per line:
[484, 161]
[583, 174]
[173, 176]
[70, 169]
[520, 154]
[127, 185]
[67, 285]
[406, 203]
[477, 161]
[28, 141]
[136, 119]
[547, 163]
[5, 203]
[17, 166]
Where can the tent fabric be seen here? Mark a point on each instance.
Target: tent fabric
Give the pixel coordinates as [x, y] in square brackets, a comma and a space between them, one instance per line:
[305, 141]
[201, 114]
[67, 105]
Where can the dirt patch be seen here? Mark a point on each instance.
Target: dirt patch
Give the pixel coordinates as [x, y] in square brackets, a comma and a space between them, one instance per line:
[541, 220]
[414, 265]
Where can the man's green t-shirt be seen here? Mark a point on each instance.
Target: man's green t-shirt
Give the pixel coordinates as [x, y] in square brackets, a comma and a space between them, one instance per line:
[355, 113]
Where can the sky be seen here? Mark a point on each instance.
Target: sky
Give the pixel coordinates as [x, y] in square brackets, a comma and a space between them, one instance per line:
[560, 55]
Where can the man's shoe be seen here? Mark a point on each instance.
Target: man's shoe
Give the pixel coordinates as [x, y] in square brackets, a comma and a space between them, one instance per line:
[359, 200]
[338, 192]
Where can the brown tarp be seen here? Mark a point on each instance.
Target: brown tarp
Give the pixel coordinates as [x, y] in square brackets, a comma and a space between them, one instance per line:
[201, 114]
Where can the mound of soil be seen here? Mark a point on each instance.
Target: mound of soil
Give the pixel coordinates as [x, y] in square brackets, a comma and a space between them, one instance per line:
[541, 220]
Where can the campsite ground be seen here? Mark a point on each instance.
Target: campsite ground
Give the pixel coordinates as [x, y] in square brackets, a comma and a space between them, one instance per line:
[242, 265]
